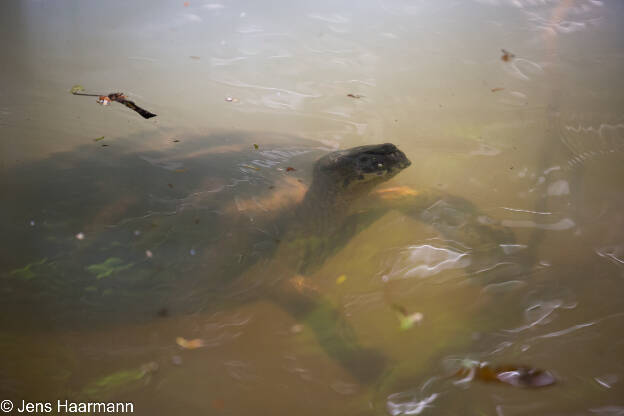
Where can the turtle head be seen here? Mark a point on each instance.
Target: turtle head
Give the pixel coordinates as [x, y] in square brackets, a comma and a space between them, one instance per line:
[359, 169]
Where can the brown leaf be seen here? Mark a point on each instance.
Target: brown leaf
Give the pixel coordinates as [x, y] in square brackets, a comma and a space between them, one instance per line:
[517, 376]
[507, 56]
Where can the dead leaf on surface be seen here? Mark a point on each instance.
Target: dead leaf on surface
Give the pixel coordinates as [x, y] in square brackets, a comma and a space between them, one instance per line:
[497, 89]
[507, 56]
[250, 167]
[512, 375]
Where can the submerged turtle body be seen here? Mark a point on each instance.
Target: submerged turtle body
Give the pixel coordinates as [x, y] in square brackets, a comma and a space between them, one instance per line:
[337, 205]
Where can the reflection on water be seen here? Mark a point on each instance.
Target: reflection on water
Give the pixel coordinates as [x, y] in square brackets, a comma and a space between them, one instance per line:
[121, 235]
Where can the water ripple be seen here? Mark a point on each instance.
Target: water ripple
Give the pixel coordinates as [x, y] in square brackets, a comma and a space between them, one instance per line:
[426, 260]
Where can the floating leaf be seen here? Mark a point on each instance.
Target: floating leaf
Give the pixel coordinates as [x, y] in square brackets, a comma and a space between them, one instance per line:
[250, 167]
[497, 89]
[513, 375]
[195, 57]
[290, 169]
[98, 139]
[256, 146]
[341, 279]
[190, 344]
[406, 321]
[357, 96]
[109, 267]
[507, 56]
[76, 88]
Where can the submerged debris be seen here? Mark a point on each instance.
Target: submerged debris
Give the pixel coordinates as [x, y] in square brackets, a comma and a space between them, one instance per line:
[497, 89]
[119, 380]
[109, 267]
[406, 320]
[290, 169]
[99, 138]
[190, 344]
[356, 96]
[26, 271]
[115, 96]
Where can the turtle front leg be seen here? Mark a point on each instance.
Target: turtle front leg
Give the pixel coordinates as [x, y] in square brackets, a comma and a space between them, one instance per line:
[336, 338]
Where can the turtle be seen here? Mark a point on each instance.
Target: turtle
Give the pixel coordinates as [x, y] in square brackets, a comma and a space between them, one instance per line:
[340, 202]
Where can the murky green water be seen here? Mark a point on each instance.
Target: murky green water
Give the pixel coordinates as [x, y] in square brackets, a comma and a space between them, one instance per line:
[181, 226]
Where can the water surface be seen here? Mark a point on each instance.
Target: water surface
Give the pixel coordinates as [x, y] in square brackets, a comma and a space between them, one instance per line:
[110, 253]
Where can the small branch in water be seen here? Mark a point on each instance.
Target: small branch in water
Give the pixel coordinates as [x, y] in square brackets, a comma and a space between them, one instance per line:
[120, 98]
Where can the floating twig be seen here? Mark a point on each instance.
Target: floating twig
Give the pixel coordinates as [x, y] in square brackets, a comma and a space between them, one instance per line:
[115, 96]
